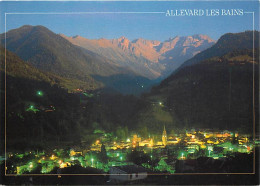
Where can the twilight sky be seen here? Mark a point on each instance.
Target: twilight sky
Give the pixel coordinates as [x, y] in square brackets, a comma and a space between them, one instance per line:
[113, 25]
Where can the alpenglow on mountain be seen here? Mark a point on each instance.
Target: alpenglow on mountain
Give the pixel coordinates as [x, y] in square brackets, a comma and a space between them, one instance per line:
[150, 58]
[76, 67]
[130, 67]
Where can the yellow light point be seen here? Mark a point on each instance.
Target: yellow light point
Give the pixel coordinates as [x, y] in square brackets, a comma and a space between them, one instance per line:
[217, 142]
[72, 153]
[31, 166]
[151, 143]
[60, 162]
[53, 157]
[63, 165]
[134, 146]
[43, 158]
[97, 142]
[114, 142]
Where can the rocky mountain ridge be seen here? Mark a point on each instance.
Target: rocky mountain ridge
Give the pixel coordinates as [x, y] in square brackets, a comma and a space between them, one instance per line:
[161, 58]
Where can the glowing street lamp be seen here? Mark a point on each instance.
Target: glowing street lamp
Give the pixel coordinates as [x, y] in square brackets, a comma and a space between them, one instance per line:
[39, 93]
[92, 160]
[31, 165]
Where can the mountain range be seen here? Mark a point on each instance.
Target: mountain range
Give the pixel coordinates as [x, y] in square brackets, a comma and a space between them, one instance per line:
[117, 64]
[151, 58]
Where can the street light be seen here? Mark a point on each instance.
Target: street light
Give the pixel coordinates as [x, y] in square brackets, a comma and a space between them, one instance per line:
[31, 165]
[39, 93]
[92, 160]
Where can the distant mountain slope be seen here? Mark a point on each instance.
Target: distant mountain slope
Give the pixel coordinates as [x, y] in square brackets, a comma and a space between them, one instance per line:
[52, 53]
[214, 93]
[148, 57]
[119, 51]
[16, 67]
[226, 43]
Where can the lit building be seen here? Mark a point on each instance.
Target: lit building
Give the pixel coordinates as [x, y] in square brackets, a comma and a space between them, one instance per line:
[147, 142]
[73, 152]
[151, 142]
[164, 137]
[144, 142]
[136, 140]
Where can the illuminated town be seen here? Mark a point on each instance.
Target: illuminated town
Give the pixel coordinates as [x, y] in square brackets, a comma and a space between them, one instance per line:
[172, 153]
[122, 92]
